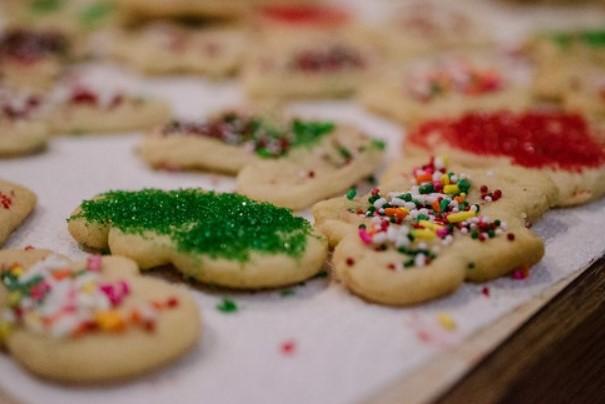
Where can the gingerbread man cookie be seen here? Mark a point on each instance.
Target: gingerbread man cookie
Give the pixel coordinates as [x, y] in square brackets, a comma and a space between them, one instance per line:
[16, 203]
[223, 239]
[93, 321]
[445, 86]
[420, 236]
[561, 145]
[23, 128]
[81, 108]
[167, 48]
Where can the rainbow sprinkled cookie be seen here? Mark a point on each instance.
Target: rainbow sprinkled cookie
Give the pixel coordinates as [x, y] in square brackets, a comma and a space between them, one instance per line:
[223, 239]
[420, 235]
[92, 321]
[445, 86]
[164, 48]
[16, 203]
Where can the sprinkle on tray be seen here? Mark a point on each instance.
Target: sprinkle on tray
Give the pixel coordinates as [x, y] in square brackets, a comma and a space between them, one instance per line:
[520, 274]
[446, 322]
[288, 347]
[227, 306]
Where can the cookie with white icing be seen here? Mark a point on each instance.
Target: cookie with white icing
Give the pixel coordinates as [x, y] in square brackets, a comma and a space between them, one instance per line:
[445, 86]
[561, 145]
[167, 48]
[222, 239]
[16, 203]
[419, 236]
[91, 322]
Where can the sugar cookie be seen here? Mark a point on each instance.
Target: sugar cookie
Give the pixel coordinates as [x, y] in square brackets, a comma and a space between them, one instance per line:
[23, 129]
[16, 203]
[93, 321]
[561, 145]
[166, 48]
[223, 239]
[317, 170]
[308, 65]
[81, 109]
[418, 238]
[423, 27]
[445, 86]
[31, 59]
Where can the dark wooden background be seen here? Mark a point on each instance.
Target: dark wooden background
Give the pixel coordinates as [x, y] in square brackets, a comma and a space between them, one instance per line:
[557, 356]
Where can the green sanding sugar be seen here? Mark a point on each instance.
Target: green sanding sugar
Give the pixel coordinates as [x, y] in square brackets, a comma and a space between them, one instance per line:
[221, 225]
[593, 38]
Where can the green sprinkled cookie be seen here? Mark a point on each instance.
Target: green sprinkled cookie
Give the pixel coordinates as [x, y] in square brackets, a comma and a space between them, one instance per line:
[217, 238]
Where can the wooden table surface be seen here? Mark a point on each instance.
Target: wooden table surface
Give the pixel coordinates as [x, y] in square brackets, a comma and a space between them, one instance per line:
[557, 356]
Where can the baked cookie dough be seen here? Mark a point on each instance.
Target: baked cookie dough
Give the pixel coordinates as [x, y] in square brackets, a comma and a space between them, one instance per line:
[167, 48]
[289, 162]
[222, 239]
[565, 61]
[323, 166]
[23, 129]
[208, 9]
[82, 109]
[423, 27]
[561, 145]
[31, 59]
[72, 17]
[311, 64]
[420, 236]
[16, 203]
[226, 142]
[93, 321]
[445, 86]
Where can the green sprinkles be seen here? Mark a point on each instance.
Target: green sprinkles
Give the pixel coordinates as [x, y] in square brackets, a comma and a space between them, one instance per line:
[351, 193]
[220, 225]
[227, 306]
[96, 12]
[45, 6]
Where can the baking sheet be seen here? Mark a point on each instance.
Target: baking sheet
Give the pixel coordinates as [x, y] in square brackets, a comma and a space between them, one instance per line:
[343, 349]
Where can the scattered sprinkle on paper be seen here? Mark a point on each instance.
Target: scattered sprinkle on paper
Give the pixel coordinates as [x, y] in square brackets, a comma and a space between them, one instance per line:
[520, 274]
[485, 291]
[288, 347]
[446, 321]
[227, 306]
[287, 292]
